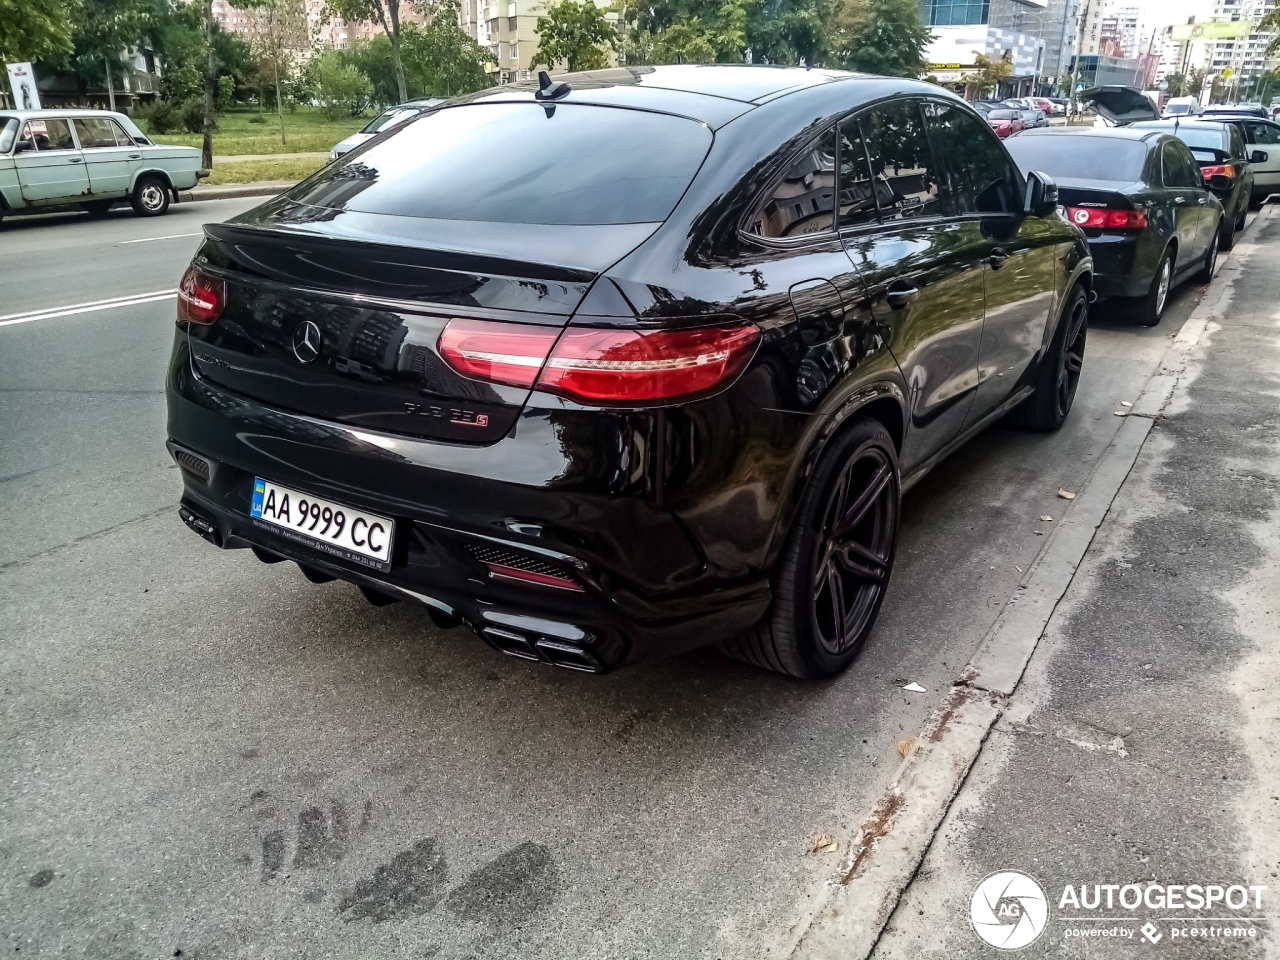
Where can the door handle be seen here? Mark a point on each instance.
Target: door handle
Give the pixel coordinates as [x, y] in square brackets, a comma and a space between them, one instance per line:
[75, 159]
[1202, 201]
[997, 258]
[135, 156]
[900, 293]
[1179, 199]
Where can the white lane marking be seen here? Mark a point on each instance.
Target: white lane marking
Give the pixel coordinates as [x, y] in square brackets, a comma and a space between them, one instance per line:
[172, 236]
[86, 307]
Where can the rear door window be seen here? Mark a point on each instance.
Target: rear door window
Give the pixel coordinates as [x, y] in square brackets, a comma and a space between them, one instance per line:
[857, 203]
[1263, 133]
[560, 163]
[902, 166]
[975, 169]
[49, 134]
[803, 201]
[1178, 166]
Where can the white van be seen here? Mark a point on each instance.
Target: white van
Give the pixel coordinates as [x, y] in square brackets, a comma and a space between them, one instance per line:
[1183, 107]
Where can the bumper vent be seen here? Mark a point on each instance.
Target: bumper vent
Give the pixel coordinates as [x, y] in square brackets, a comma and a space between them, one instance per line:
[509, 565]
[198, 467]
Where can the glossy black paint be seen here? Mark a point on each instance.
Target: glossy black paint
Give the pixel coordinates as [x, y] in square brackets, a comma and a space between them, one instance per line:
[670, 517]
[1229, 150]
[1183, 217]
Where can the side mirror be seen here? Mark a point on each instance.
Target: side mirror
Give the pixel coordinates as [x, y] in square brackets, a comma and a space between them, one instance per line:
[1260, 156]
[1220, 182]
[21, 145]
[1042, 195]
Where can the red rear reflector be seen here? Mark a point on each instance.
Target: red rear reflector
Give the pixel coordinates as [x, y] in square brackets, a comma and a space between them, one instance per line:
[1218, 170]
[200, 297]
[510, 353]
[502, 572]
[635, 366]
[1105, 219]
[598, 366]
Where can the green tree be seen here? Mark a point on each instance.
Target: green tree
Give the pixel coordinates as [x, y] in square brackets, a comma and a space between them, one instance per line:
[441, 59]
[372, 57]
[104, 29]
[684, 31]
[790, 31]
[384, 12]
[987, 76]
[885, 37]
[340, 87]
[35, 30]
[278, 30]
[577, 34]
[1271, 24]
[1177, 84]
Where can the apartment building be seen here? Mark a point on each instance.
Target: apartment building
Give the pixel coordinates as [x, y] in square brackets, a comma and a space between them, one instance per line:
[509, 29]
[336, 33]
[1118, 31]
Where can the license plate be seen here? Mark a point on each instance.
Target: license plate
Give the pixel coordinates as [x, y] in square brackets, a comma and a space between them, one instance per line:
[336, 529]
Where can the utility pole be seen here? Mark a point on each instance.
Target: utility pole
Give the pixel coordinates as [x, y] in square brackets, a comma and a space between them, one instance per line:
[111, 87]
[210, 89]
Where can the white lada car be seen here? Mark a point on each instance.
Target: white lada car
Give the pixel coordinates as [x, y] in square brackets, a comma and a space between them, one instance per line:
[93, 158]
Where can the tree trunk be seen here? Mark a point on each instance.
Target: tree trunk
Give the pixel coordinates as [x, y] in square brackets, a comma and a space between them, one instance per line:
[393, 33]
[275, 64]
[210, 89]
[111, 88]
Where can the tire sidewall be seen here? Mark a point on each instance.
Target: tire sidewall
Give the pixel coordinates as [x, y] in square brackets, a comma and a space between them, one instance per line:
[793, 611]
[1152, 309]
[139, 207]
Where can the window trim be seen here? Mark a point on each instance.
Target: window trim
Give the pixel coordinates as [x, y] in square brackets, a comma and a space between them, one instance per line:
[71, 128]
[765, 193]
[1020, 184]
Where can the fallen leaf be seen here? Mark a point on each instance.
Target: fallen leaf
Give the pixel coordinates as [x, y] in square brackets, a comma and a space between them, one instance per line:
[906, 747]
[1066, 494]
[915, 687]
[1046, 518]
[1122, 413]
[822, 843]
[1125, 403]
[1038, 533]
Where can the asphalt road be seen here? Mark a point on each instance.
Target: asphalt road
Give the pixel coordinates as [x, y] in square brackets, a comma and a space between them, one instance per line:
[207, 754]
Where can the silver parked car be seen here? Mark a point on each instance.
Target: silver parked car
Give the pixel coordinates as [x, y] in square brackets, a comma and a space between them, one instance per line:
[93, 158]
[389, 118]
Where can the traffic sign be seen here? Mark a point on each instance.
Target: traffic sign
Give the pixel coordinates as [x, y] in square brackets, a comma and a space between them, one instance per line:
[1079, 87]
[1162, 85]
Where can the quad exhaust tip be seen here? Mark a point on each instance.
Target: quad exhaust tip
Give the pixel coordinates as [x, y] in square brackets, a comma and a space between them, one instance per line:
[524, 646]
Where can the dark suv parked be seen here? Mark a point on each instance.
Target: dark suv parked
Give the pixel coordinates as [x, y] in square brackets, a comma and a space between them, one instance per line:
[656, 380]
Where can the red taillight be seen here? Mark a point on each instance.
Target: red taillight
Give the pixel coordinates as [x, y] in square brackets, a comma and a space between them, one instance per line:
[1105, 219]
[1218, 170]
[599, 366]
[200, 297]
[501, 571]
[510, 353]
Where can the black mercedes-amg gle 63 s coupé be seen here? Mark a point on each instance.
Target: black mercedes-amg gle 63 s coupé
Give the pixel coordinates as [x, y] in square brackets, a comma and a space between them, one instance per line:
[627, 362]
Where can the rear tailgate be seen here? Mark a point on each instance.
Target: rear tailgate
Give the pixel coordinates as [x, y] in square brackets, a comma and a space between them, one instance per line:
[343, 327]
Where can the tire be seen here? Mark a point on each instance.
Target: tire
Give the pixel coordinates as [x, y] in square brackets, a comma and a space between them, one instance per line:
[830, 563]
[1059, 374]
[1205, 273]
[150, 197]
[1151, 307]
[1226, 236]
[97, 208]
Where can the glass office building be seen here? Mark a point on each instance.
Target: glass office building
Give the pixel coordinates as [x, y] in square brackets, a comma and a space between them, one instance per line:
[946, 13]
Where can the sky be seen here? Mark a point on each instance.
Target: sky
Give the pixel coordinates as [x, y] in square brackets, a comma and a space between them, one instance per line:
[1161, 13]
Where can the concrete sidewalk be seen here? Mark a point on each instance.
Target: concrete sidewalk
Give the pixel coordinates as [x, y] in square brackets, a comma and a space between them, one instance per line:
[1142, 746]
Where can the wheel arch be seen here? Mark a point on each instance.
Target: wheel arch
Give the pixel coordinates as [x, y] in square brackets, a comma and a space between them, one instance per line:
[151, 171]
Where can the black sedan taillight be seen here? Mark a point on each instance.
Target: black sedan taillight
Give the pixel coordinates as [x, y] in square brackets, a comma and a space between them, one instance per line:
[201, 297]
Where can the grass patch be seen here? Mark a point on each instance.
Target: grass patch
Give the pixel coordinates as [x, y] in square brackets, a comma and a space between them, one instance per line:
[253, 170]
[307, 129]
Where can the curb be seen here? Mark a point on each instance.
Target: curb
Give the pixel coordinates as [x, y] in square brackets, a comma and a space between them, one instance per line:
[229, 191]
[853, 908]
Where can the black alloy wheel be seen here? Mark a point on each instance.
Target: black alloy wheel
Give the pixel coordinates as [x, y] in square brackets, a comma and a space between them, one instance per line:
[834, 571]
[1059, 375]
[1205, 273]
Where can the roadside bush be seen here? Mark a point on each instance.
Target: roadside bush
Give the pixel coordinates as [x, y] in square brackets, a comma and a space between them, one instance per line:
[257, 118]
[193, 116]
[226, 96]
[163, 117]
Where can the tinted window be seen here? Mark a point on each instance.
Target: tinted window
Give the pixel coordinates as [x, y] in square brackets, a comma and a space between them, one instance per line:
[49, 134]
[975, 169]
[1237, 141]
[1257, 132]
[1178, 167]
[802, 202]
[1071, 157]
[97, 132]
[1205, 137]
[512, 163]
[385, 121]
[857, 198]
[902, 167]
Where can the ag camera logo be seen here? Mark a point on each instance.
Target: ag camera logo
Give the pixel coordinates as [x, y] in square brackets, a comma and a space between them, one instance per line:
[1009, 910]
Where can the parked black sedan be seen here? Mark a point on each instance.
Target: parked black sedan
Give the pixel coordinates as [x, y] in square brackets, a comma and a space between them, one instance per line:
[656, 380]
[1224, 163]
[1140, 199]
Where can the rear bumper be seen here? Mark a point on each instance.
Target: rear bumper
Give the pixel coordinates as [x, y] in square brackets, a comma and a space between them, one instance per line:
[651, 579]
[1124, 264]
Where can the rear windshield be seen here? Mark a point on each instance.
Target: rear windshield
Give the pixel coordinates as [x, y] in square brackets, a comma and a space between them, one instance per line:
[1004, 115]
[1080, 158]
[520, 163]
[1177, 108]
[384, 121]
[1206, 138]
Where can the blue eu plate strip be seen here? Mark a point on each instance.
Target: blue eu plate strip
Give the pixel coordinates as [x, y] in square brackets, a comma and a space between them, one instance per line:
[259, 491]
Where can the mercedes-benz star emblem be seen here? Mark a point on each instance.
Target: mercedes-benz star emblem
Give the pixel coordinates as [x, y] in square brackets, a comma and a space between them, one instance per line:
[306, 342]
